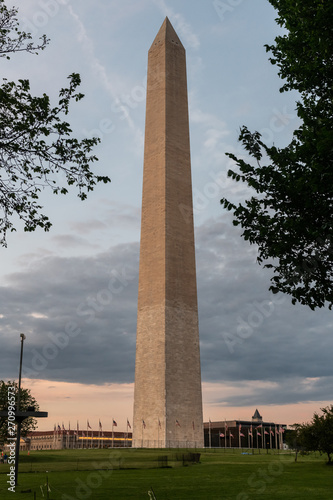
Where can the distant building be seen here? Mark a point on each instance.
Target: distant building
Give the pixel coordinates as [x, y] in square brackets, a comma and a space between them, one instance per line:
[254, 433]
[61, 440]
[257, 417]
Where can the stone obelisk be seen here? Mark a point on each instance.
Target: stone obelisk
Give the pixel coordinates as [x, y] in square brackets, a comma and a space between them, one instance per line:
[167, 395]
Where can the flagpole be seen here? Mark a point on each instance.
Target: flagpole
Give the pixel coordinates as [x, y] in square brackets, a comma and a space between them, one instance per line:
[112, 433]
[225, 433]
[210, 435]
[193, 433]
[280, 437]
[270, 437]
[141, 433]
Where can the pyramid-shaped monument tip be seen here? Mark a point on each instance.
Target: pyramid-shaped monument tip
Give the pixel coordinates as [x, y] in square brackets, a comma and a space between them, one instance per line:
[167, 33]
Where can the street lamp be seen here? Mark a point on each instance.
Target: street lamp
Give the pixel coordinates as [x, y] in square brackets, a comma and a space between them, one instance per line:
[21, 415]
[23, 337]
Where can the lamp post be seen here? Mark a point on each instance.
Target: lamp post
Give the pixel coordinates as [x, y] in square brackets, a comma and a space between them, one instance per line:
[21, 415]
[19, 421]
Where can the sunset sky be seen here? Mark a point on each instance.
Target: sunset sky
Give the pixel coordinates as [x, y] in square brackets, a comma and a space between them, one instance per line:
[73, 291]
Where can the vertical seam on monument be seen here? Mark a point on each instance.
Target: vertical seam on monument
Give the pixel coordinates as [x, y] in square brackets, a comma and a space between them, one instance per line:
[165, 238]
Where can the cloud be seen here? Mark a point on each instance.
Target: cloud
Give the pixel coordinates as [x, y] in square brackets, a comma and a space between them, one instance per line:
[71, 241]
[82, 305]
[301, 390]
[79, 315]
[113, 84]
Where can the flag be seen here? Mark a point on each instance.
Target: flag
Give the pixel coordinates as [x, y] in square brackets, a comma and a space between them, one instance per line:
[226, 427]
[143, 424]
[63, 427]
[99, 424]
[272, 433]
[114, 423]
[221, 435]
[282, 430]
[266, 433]
[59, 428]
[83, 434]
[54, 428]
[259, 426]
[258, 433]
[77, 426]
[250, 433]
[128, 424]
[241, 434]
[177, 423]
[231, 435]
[88, 425]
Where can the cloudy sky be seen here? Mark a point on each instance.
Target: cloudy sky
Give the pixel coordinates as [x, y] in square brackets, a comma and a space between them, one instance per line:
[73, 291]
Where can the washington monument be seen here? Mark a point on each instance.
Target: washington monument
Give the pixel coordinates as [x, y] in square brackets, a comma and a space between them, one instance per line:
[167, 395]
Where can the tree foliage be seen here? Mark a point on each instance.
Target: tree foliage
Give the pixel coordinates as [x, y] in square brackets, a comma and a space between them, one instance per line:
[316, 435]
[26, 401]
[36, 143]
[290, 216]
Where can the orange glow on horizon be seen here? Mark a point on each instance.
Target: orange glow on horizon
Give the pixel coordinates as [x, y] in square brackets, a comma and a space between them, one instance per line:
[67, 403]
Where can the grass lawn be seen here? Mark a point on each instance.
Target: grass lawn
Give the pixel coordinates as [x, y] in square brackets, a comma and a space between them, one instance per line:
[131, 474]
